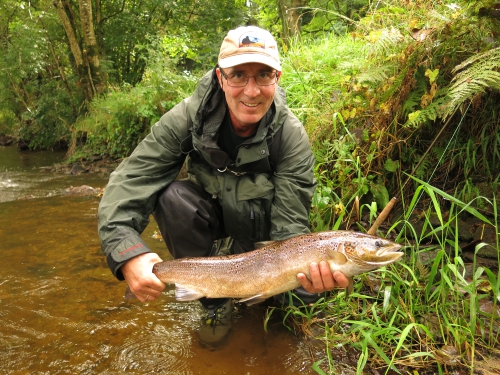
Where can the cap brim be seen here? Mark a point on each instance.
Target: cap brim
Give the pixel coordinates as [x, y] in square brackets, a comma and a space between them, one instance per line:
[245, 58]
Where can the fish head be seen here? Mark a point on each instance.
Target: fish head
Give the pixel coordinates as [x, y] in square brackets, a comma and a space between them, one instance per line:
[363, 253]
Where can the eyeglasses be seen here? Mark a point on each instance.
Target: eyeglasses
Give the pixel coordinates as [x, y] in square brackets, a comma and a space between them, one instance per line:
[241, 79]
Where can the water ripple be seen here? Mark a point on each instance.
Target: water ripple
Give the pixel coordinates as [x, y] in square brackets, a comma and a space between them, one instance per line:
[297, 361]
[46, 286]
[16, 327]
[162, 350]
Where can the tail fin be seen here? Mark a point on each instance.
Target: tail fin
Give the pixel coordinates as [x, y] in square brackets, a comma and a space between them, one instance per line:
[128, 294]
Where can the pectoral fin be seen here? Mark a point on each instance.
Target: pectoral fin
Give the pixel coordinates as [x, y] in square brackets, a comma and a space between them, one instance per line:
[254, 299]
[183, 293]
[337, 256]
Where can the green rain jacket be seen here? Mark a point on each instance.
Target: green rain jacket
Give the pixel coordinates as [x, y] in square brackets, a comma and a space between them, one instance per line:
[263, 197]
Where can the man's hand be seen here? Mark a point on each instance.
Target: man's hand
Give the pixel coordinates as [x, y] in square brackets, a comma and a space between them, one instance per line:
[138, 273]
[322, 278]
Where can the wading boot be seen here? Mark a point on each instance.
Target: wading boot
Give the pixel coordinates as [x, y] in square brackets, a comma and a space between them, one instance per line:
[216, 323]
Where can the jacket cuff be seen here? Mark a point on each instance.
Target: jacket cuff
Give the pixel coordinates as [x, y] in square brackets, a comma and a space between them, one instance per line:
[130, 247]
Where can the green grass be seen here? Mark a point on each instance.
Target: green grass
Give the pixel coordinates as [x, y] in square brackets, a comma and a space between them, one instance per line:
[423, 312]
[430, 312]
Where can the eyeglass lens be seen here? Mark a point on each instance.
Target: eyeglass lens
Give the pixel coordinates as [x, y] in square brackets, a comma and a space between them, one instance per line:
[241, 79]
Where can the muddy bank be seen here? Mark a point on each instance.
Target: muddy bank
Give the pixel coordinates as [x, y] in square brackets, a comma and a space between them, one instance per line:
[6, 140]
[94, 164]
[102, 165]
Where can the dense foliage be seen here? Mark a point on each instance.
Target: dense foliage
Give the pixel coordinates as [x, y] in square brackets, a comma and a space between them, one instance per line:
[410, 91]
[57, 56]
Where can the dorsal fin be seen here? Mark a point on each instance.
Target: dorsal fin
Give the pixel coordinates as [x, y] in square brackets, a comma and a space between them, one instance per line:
[261, 244]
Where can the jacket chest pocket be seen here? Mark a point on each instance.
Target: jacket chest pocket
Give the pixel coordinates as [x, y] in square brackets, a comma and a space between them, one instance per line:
[247, 211]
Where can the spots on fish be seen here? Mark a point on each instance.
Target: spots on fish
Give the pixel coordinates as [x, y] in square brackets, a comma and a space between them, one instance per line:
[273, 269]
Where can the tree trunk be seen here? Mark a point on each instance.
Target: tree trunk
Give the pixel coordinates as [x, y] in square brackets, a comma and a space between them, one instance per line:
[87, 64]
[91, 47]
[70, 31]
[289, 13]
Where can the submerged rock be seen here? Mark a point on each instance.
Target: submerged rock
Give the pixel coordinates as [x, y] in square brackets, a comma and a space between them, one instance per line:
[83, 190]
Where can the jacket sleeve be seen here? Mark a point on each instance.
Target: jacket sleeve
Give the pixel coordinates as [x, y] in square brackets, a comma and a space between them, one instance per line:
[294, 182]
[130, 195]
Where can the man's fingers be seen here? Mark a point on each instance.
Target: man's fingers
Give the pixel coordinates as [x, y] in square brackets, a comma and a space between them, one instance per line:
[326, 276]
[322, 279]
[147, 288]
[340, 279]
[140, 278]
[304, 281]
[149, 297]
[148, 294]
[315, 283]
[316, 278]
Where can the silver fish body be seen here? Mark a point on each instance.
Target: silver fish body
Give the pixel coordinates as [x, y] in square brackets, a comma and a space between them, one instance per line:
[257, 275]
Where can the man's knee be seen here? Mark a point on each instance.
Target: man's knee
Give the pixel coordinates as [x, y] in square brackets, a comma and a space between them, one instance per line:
[184, 204]
[178, 193]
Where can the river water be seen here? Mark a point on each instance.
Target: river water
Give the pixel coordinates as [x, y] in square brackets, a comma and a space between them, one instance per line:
[62, 311]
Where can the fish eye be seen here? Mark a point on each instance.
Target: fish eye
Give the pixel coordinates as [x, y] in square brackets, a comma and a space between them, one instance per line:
[378, 244]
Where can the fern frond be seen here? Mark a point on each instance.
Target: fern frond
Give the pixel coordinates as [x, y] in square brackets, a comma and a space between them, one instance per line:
[386, 41]
[423, 271]
[412, 103]
[423, 168]
[375, 75]
[474, 76]
[430, 113]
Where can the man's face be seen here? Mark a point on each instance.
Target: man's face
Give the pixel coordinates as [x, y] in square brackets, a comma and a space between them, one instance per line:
[247, 105]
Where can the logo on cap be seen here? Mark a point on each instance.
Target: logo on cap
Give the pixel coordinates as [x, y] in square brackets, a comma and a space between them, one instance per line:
[252, 40]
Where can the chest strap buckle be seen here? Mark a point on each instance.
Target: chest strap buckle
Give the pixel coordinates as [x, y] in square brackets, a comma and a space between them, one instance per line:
[226, 169]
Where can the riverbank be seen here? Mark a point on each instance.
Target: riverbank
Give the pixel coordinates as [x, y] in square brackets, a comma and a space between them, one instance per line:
[94, 164]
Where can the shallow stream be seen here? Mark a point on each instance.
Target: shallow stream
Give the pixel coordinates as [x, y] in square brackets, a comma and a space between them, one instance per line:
[62, 311]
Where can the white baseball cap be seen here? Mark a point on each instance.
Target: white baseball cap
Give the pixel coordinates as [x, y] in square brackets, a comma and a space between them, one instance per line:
[249, 44]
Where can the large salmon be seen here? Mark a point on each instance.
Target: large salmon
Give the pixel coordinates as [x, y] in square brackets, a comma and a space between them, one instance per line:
[272, 269]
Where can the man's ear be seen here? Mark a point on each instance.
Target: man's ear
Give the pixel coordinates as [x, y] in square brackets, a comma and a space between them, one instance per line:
[279, 75]
[219, 77]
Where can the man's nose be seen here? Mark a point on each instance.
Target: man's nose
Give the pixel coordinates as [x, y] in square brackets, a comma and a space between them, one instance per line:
[251, 88]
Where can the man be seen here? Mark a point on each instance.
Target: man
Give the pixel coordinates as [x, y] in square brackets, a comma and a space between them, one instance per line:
[250, 170]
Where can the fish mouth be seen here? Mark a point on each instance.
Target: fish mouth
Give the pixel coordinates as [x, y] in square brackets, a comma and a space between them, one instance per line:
[391, 248]
[386, 255]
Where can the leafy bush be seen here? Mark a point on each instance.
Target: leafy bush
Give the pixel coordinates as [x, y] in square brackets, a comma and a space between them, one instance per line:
[46, 125]
[394, 95]
[118, 121]
[8, 122]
